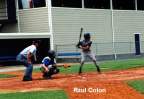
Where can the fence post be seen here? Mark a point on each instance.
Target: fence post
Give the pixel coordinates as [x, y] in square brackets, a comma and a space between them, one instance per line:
[130, 47]
[56, 51]
[114, 51]
[96, 48]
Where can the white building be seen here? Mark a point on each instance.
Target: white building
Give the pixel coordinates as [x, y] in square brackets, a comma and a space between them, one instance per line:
[116, 25]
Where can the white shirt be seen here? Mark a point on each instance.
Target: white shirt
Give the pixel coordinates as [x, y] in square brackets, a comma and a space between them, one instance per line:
[25, 4]
[32, 49]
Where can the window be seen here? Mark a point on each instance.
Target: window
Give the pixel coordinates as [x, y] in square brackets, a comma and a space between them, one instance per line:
[3, 4]
[124, 4]
[57, 3]
[20, 4]
[67, 3]
[98, 4]
[39, 3]
[137, 44]
[140, 4]
[24, 4]
[3, 10]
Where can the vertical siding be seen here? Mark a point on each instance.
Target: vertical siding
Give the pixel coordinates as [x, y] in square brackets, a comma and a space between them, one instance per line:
[67, 23]
[126, 23]
[142, 46]
[3, 10]
[34, 20]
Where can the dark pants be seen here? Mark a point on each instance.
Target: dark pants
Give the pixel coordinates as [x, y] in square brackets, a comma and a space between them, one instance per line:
[29, 67]
[52, 71]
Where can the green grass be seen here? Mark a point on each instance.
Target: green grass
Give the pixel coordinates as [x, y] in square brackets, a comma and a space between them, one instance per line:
[123, 64]
[105, 66]
[6, 76]
[55, 94]
[137, 84]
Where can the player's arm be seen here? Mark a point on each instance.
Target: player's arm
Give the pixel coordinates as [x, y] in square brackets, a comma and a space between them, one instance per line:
[35, 58]
[85, 47]
[65, 65]
[78, 45]
[57, 65]
[44, 67]
[33, 53]
[29, 57]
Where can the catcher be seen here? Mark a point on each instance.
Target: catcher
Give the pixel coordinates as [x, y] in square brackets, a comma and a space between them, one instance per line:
[49, 66]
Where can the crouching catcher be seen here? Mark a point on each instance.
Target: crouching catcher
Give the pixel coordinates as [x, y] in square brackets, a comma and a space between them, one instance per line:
[48, 66]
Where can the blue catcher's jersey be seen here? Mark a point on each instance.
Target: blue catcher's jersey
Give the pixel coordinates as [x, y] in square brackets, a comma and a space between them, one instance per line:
[47, 61]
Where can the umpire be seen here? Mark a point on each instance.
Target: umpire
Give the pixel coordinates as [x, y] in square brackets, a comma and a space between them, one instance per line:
[26, 57]
[85, 45]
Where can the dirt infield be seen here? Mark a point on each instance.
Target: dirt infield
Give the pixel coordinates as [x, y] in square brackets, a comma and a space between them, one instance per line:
[108, 85]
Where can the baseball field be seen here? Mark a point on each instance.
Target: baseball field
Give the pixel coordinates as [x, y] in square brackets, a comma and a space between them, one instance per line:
[120, 79]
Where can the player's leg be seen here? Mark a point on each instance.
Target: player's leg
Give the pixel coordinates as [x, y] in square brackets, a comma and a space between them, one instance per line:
[55, 70]
[46, 75]
[28, 72]
[29, 67]
[20, 59]
[92, 56]
[82, 62]
[97, 66]
[49, 73]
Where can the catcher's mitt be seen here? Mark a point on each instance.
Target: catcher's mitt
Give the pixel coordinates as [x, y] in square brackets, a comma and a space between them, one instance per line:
[66, 65]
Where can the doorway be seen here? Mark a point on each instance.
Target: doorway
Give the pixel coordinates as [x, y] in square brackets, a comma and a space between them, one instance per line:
[137, 44]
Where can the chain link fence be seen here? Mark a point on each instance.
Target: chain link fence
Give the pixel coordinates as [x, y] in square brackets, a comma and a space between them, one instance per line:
[108, 50]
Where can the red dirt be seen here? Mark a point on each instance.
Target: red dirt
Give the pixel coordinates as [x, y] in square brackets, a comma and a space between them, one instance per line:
[109, 85]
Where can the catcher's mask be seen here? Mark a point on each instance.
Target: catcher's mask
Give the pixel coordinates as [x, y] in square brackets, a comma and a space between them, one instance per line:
[51, 54]
[87, 36]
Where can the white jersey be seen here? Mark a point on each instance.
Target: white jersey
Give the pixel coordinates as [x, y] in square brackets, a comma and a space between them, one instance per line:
[25, 4]
[32, 49]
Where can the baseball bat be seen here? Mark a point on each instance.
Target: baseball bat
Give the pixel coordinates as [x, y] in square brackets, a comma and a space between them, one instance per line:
[81, 31]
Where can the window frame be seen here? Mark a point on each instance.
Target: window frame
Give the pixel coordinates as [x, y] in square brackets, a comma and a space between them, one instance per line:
[31, 5]
[64, 3]
[97, 4]
[120, 5]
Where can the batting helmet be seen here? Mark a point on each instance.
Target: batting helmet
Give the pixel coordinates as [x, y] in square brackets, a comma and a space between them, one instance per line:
[87, 35]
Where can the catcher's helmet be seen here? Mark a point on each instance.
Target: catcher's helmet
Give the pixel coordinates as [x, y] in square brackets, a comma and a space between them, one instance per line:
[51, 54]
[87, 35]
